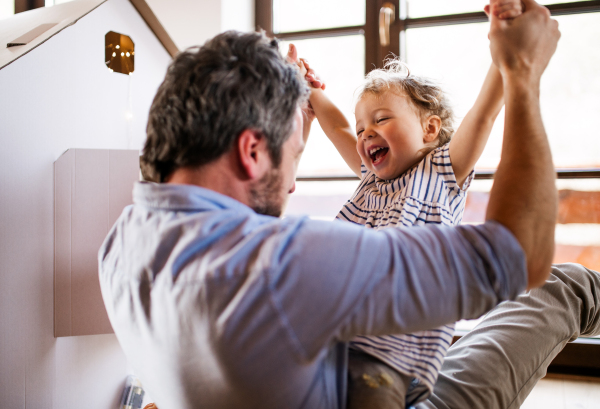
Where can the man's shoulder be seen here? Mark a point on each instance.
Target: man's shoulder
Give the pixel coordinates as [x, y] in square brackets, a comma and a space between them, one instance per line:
[142, 235]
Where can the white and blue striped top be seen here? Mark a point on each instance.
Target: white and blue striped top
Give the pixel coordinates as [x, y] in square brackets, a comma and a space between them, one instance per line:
[426, 193]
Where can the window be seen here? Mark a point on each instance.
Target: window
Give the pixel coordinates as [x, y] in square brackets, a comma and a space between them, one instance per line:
[341, 39]
[448, 41]
[10, 7]
[7, 8]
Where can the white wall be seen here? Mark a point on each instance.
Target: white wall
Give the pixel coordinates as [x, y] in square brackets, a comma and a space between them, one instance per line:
[7, 8]
[192, 22]
[237, 15]
[60, 96]
[188, 22]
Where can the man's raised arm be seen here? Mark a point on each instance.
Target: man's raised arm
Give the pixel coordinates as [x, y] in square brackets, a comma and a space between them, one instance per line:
[524, 197]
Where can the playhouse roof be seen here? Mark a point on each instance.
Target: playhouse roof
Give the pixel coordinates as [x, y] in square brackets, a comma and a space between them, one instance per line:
[34, 27]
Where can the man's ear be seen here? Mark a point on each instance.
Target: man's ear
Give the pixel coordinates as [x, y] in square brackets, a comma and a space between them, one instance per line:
[431, 128]
[253, 154]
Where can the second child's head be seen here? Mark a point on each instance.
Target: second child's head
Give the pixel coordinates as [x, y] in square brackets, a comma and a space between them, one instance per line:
[399, 119]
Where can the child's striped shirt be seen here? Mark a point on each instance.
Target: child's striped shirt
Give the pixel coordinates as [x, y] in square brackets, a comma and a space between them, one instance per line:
[427, 193]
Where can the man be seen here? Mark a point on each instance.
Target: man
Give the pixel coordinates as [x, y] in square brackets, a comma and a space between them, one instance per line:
[218, 304]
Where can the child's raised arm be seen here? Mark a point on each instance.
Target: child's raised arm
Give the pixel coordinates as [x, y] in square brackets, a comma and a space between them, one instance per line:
[469, 141]
[467, 145]
[334, 123]
[336, 127]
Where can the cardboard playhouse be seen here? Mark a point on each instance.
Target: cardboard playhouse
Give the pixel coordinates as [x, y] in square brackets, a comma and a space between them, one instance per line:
[77, 81]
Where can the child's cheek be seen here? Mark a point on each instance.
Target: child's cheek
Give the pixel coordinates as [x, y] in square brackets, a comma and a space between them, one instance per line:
[364, 158]
[360, 148]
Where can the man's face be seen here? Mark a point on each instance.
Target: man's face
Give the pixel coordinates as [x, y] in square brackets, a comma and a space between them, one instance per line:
[269, 195]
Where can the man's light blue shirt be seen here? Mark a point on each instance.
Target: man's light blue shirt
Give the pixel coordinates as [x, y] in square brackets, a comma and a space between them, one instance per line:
[216, 306]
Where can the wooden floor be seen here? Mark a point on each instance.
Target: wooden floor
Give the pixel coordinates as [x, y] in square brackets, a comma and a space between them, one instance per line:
[556, 393]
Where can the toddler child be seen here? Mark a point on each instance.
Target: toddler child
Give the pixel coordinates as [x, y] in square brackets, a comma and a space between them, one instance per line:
[414, 170]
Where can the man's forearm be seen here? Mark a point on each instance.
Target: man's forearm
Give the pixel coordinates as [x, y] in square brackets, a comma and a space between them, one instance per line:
[523, 197]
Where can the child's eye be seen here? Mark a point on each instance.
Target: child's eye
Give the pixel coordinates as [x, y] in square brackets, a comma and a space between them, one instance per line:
[359, 132]
[381, 119]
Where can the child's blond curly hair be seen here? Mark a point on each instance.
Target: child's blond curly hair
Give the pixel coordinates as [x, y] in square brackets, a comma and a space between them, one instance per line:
[427, 97]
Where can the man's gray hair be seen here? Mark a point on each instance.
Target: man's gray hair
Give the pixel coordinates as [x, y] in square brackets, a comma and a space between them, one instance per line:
[211, 94]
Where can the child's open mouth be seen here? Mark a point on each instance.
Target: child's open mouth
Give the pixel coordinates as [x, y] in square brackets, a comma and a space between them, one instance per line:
[377, 154]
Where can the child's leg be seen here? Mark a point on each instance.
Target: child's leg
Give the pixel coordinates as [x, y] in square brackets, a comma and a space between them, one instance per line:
[373, 384]
[498, 363]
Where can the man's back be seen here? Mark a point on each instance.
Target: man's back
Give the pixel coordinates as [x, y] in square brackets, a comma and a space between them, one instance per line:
[216, 306]
[185, 289]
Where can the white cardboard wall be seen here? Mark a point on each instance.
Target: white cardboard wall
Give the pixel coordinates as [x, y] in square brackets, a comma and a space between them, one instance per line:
[91, 189]
[192, 22]
[61, 96]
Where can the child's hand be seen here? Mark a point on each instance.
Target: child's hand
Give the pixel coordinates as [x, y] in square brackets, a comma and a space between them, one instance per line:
[504, 9]
[305, 70]
[311, 76]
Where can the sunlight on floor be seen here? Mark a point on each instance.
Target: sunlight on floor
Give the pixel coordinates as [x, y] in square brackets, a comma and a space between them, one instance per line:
[564, 394]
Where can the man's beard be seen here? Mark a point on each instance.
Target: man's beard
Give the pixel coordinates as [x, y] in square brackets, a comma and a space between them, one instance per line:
[266, 197]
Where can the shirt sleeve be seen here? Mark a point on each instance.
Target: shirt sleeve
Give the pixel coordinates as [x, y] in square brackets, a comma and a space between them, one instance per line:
[332, 281]
[363, 170]
[440, 158]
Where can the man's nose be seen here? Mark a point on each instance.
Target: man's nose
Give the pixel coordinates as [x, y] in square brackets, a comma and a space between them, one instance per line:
[293, 189]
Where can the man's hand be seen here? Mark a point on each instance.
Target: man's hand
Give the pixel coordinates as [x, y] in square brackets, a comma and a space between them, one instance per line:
[308, 116]
[522, 47]
[309, 75]
[308, 112]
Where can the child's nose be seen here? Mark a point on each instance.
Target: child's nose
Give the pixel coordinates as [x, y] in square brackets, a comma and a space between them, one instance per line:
[368, 133]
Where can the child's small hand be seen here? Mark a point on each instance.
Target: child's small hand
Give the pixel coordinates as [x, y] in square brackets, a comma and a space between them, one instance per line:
[311, 76]
[504, 9]
[305, 70]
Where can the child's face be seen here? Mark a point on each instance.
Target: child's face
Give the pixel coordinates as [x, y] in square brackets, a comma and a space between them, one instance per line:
[391, 136]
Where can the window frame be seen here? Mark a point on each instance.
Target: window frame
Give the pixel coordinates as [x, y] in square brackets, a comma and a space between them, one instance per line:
[264, 21]
[374, 53]
[26, 5]
[580, 358]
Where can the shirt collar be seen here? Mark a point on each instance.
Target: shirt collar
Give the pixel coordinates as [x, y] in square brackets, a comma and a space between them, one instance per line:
[183, 198]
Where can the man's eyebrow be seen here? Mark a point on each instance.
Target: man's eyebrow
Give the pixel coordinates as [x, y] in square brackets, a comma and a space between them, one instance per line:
[300, 151]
